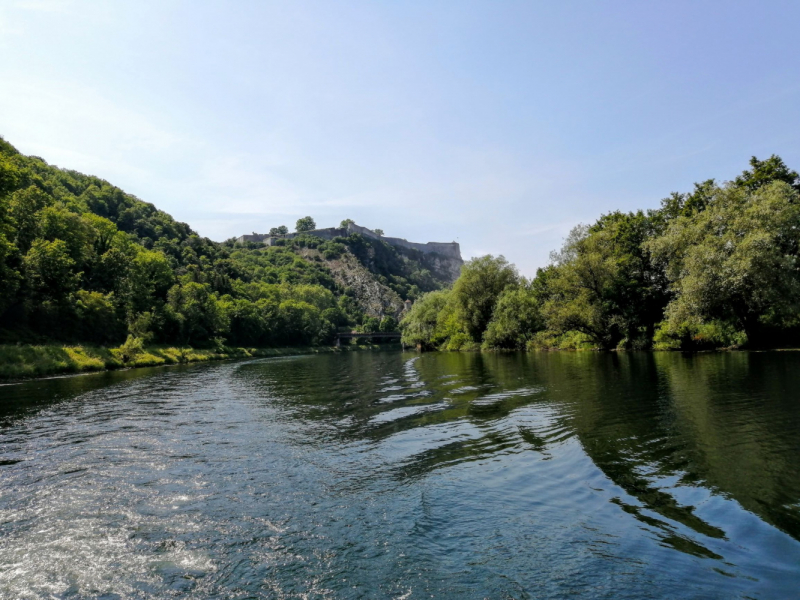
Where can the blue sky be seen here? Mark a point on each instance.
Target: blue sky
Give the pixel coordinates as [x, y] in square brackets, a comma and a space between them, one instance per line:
[498, 124]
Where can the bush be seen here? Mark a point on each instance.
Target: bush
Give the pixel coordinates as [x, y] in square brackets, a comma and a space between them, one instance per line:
[515, 320]
[571, 340]
[132, 348]
[387, 325]
[332, 250]
[692, 336]
[371, 325]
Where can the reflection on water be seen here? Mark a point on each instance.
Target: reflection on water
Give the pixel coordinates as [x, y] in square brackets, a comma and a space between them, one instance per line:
[406, 476]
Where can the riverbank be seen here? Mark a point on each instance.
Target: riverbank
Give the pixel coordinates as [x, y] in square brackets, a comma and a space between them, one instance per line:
[27, 361]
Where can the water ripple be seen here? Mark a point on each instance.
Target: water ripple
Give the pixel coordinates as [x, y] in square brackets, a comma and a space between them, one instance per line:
[406, 476]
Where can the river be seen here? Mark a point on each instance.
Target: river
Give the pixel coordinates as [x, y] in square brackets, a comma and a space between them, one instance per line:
[398, 475]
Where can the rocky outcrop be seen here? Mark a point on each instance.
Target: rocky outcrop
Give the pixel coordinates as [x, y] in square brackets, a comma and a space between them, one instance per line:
[374, 298]
[445, 268]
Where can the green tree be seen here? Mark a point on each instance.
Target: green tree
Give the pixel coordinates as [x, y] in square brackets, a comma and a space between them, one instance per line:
[766, 171]
[581, 287]
[346, 222]
[388, 324]
[195, 314]
[516, 318]
[371, 325]
[305, 224]
[678, 204]
[109, 271]
[148, 280]
[97, 318]
[249, 321]
[302, 324]
[49, 270]
[10, 276]
[316, 295]
[11, 176]
[604, 283]
[420, 326]
[335, 316]
[476, 291]
[378, 231]
[280, 230]
[58, 223]
[24, 207]
[101, 232]
[737, 261]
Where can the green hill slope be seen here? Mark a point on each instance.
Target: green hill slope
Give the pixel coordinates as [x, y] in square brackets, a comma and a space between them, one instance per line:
[82, 261]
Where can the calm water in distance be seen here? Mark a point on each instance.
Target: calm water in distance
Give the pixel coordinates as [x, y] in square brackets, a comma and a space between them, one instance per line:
[397, 475]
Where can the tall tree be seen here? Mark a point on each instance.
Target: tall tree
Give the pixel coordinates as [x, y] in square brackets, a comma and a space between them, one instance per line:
[516, 318]
[305, 224]
[49, 270]
[476, 291]
[604, 283]
[24, 207]
[737, 261]
[766, 171]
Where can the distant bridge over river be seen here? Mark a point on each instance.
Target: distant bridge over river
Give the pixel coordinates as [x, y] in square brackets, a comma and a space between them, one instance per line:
[377, 335]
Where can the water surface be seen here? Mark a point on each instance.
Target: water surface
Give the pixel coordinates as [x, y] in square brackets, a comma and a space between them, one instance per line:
[396, 475]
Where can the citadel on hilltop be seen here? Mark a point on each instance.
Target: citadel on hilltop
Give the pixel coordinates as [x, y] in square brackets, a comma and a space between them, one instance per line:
[446, 249]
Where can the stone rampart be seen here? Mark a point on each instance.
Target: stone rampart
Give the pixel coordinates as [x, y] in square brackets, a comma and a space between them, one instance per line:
[353, 228]
[269, 240]
[449, 249]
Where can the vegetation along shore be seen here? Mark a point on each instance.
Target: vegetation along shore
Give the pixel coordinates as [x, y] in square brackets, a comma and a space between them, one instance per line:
[28, 361]
[85, 265]
[717, 267]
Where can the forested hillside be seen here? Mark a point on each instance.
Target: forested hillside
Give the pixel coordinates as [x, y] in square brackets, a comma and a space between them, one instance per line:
[716, 267]
[82, 261]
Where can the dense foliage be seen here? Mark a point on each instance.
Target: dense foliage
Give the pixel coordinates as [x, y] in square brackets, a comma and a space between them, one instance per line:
[719, 266]
[81, 260]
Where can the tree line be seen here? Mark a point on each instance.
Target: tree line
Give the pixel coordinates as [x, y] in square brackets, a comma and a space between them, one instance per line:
[82, 261]
[716, 267]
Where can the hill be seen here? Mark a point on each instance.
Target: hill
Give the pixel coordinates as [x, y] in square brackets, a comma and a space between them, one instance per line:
[83, 261]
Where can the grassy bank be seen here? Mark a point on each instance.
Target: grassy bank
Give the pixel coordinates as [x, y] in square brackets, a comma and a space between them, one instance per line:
[29, 361]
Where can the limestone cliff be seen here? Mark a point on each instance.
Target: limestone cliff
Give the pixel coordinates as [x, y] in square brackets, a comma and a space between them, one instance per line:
[374, 298]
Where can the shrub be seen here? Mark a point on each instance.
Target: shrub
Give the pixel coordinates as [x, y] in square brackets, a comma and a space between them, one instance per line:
[132, 348]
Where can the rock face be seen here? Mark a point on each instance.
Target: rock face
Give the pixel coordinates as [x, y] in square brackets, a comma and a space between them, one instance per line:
[441, 258]
[375, 299]
[448, 268]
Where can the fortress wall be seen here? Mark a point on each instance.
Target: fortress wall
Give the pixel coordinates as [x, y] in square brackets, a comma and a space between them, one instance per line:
[449, 249]
[326, 234]
[268, 240]
[255, 237]
[353, 228]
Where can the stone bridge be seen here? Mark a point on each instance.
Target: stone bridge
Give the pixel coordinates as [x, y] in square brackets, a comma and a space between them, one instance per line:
[382, 335]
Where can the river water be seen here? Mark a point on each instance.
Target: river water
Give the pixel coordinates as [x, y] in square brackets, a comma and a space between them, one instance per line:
[397, 475]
